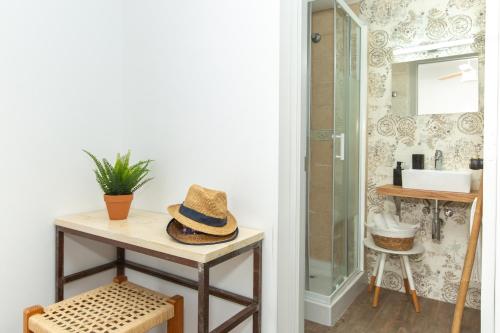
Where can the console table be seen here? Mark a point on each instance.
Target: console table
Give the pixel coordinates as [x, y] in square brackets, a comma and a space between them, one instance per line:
[144, 232]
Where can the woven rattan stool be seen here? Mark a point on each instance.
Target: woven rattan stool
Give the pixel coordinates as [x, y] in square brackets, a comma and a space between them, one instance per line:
[115, 308]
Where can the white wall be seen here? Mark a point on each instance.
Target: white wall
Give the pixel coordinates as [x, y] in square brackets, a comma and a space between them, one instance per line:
[60, 91]
[201, 99]
[192, 85]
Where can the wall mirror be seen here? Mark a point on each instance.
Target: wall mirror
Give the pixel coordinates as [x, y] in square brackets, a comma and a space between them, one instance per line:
[439, 85]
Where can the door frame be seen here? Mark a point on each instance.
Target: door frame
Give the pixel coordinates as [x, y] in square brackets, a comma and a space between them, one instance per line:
[292, 153]
[490, 294]
[292, 100]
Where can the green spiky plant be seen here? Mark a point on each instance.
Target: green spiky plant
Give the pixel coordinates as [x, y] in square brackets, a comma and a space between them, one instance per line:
[122, 178]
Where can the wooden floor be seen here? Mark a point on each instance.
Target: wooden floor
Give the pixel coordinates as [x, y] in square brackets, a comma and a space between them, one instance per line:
[395, 314]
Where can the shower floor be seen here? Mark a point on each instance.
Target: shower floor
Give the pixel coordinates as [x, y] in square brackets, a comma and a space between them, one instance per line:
[320, 284]
[395, 314]
[321, 280]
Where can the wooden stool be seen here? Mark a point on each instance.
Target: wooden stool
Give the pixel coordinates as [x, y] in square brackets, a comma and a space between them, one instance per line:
[378, 271]
[115, 308]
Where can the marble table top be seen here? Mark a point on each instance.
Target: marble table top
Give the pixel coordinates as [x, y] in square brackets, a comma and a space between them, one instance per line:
[148, 230]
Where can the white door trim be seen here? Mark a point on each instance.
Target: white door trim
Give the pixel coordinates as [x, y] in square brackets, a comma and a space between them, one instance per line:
[293, 97]
[292, 150]
[490, 296]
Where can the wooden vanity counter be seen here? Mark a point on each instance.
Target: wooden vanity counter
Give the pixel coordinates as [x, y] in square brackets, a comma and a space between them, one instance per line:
[398, 191]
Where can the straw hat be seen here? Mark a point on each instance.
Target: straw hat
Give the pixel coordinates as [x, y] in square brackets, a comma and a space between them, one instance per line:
[187, 236]
[203, 211]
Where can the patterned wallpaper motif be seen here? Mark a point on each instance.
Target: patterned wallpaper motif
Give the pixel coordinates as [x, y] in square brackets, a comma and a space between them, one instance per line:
[393, 137]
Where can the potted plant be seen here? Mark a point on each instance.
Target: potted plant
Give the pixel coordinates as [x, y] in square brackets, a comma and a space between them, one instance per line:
[119, 182]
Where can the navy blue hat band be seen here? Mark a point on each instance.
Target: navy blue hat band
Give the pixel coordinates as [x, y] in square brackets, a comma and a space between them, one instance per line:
[201, 218]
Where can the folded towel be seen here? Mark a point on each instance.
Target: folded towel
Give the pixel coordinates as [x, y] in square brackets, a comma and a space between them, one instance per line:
[404, 226]
[391, 221]
[379, 221]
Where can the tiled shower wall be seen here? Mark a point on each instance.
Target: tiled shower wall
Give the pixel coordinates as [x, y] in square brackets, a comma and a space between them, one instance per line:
[394, 137]
[321, 146]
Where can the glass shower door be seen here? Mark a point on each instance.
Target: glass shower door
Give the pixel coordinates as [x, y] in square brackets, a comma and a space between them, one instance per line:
[333, 147]
[320, 152]
[346, 146]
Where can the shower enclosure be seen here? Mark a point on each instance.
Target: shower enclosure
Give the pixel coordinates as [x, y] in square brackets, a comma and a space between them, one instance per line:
[335, 158]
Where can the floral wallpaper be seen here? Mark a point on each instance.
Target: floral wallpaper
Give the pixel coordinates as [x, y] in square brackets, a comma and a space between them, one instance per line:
[395, 137]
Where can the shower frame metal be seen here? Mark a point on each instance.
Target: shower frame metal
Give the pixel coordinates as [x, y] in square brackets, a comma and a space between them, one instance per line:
[357, 275]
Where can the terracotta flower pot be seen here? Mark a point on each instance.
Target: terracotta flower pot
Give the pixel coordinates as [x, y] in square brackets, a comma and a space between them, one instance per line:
[118, 206]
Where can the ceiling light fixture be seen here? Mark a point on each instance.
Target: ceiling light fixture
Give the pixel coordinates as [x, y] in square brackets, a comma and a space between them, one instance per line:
[432, 47]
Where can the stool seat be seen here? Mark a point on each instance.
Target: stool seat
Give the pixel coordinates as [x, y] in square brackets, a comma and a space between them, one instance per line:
[114, 308]
[378, 270]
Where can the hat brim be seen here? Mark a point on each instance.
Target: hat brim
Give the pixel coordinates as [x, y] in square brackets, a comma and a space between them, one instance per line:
[174, 229]
[227, 229]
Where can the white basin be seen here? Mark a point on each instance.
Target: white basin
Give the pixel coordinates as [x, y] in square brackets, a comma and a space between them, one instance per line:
[437, 180]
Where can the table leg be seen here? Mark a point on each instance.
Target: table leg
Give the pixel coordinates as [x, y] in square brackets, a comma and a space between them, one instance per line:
[405, 277]
[413, 291]
[120, 260]
[203, 297]
[378, 282]
[371, 285]
[257, 287]
[59, 290]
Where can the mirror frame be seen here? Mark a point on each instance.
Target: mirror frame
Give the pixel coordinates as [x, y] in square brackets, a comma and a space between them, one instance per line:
[414, 108]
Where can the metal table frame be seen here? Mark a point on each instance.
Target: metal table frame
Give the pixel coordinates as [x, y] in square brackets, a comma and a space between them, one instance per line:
[252, 306]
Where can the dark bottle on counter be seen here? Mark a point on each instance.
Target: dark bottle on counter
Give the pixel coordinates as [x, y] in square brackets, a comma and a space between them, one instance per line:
[417, 161]
[397, 175]
[476, 163]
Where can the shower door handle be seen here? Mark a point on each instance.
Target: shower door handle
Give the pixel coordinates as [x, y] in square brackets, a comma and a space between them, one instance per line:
[341, 137]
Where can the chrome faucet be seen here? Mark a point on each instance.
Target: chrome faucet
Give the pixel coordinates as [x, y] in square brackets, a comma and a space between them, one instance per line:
[438, 160]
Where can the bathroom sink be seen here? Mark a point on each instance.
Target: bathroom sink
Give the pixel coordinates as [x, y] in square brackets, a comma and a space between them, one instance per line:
[437, 180]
